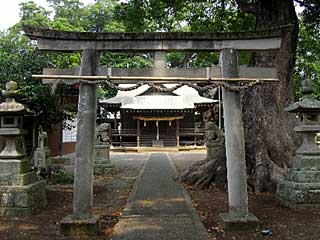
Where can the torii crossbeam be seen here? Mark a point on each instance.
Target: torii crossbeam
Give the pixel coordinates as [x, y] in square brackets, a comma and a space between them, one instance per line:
[50, 40]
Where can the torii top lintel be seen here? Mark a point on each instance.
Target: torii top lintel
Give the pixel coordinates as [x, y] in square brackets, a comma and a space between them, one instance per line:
[51, 40]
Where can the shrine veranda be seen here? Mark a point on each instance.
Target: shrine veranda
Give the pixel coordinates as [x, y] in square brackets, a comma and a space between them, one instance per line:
[91, 44]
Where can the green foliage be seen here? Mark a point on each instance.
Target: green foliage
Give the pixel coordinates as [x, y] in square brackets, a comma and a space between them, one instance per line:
[33, 15]
[126, 60]
[311, 14]
[137, 15]
[186, 15]
[66, 15]
[152, 15]
[18, 61]
[101, 17]
[106, 92]
[62, 177]
[308, 51]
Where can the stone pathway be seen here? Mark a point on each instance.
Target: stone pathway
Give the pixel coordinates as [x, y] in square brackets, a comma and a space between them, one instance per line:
[159, 208]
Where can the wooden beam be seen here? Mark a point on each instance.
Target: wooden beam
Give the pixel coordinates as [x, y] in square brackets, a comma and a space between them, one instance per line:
[153, 79]
[160, 118]
[214, 71]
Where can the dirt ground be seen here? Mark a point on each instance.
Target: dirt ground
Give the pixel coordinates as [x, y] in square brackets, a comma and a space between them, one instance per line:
[110, 196]
[283, 223]
[111, 193]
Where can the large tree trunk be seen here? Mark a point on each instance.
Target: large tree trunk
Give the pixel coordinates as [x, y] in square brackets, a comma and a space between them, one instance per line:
[269, 132]
[269, 136]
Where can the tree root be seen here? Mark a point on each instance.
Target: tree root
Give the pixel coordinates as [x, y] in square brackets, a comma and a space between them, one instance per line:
[201, 174]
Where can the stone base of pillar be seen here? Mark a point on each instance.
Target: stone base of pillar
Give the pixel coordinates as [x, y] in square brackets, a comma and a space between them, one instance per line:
[71, 226]
[18, 201]
[230, 222]
[301, 190]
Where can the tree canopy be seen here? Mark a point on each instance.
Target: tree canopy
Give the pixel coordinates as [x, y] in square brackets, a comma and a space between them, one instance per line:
[18, 59]
[308, 52]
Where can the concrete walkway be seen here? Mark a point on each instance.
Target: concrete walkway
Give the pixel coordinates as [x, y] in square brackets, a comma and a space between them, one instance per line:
[158, 207]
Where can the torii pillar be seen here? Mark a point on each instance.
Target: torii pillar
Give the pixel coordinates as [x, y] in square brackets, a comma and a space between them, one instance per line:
[82, 221]
[238, 216]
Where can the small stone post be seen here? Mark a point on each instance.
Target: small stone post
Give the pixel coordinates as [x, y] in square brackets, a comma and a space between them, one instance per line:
[41, 156]
[81, 221]
[235, 149]
[102, 163]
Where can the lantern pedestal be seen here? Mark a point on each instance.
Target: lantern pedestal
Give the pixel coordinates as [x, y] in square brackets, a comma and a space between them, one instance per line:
[20, 191]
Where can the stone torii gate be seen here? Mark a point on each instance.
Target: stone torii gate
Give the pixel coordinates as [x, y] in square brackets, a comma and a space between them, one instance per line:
[82, 221]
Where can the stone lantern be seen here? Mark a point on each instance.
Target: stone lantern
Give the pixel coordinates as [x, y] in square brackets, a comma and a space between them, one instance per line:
[20, 191]
[301, 189]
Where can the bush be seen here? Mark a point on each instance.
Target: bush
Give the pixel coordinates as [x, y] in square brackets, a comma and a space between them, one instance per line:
[62, 177]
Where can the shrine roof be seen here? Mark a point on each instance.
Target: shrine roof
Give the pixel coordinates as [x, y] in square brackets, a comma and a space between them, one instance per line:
[185, 98]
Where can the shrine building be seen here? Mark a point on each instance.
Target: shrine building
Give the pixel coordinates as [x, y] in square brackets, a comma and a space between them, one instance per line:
[153, 118]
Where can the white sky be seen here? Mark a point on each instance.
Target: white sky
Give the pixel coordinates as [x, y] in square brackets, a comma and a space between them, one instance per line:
[9, 11]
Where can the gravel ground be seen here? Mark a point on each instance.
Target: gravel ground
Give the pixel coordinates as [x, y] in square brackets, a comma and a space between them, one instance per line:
[183, 160]
[128, 164]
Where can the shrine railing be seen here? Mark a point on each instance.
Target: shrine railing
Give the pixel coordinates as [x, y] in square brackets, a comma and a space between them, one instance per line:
[187, 136]
[124, 132]
[191, 131]
[182, 132]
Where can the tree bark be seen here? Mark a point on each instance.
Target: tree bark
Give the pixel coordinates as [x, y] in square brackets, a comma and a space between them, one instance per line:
[269, 136]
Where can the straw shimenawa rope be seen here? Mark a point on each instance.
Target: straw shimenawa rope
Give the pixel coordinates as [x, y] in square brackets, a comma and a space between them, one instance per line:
[161, 88]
